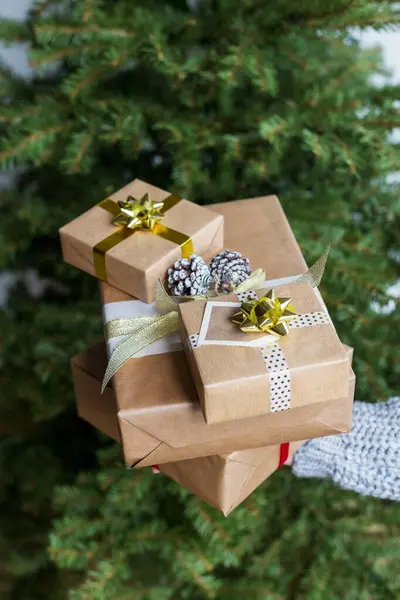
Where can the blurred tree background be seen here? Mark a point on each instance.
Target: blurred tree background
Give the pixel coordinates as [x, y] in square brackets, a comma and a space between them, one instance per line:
[217, 100]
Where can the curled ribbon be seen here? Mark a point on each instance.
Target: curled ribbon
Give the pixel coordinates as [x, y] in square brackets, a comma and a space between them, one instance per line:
[133, 215]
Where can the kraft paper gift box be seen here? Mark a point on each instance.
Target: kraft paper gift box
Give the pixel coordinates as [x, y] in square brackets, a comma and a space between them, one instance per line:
[226, 480]
[133, 261]
[167, 424]
[222, 480]
[159, 415]
[240, 374]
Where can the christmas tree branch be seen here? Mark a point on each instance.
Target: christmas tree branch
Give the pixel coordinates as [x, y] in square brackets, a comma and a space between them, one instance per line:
[80, 30]
[40, 57]
[19, 151]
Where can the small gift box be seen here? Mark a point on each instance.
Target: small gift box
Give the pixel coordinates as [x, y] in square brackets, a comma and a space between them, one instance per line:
[263, 351]
[132, 237]
[223, 480]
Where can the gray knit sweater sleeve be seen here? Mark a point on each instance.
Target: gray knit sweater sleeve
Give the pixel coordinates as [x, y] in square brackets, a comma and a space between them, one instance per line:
[367, 460]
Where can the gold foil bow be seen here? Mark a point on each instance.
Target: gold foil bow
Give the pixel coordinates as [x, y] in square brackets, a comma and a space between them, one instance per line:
[266, 315]
[270, 314]
[139, 214]
[133, 215]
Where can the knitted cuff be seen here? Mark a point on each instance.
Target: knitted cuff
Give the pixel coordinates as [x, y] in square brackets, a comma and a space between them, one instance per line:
[367, 460]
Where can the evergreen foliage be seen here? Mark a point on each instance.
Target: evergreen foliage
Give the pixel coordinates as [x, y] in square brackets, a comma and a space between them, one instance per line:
[216, 100]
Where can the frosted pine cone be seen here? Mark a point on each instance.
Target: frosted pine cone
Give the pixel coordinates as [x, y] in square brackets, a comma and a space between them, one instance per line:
[189, 277]
[229, 269]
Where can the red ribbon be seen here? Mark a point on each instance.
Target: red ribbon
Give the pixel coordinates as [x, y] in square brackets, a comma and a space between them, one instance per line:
[283, 454]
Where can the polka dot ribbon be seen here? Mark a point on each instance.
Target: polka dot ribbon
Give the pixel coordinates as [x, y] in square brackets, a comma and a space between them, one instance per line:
[274, 358]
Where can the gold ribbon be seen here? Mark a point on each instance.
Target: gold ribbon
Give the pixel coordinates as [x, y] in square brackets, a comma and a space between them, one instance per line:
[254, 281]
[133, 215]
[315, 273]
[143, 331]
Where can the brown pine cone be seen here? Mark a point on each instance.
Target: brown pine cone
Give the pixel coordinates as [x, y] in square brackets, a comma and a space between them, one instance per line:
[229, 269]
[189, 277]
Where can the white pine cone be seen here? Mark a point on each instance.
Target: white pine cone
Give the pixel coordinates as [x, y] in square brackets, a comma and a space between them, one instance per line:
[189, 277]
[229, 269]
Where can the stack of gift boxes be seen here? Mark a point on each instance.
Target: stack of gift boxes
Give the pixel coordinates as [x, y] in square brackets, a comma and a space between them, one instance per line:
[220, 389]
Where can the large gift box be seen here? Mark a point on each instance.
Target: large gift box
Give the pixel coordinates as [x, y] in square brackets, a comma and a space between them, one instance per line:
[222, 480]
[160, 420]
[159, 414]
[127, 255]
[244, 372]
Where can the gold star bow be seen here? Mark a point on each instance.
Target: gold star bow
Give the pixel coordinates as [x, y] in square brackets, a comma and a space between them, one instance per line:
[266, 315]
[139, 214]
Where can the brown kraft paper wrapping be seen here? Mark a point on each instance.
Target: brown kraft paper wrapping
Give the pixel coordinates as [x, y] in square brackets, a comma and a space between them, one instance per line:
[234, 381]
[223, 480]
[226, 480]
[159, 415]
[167, 424]
[135, 264]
